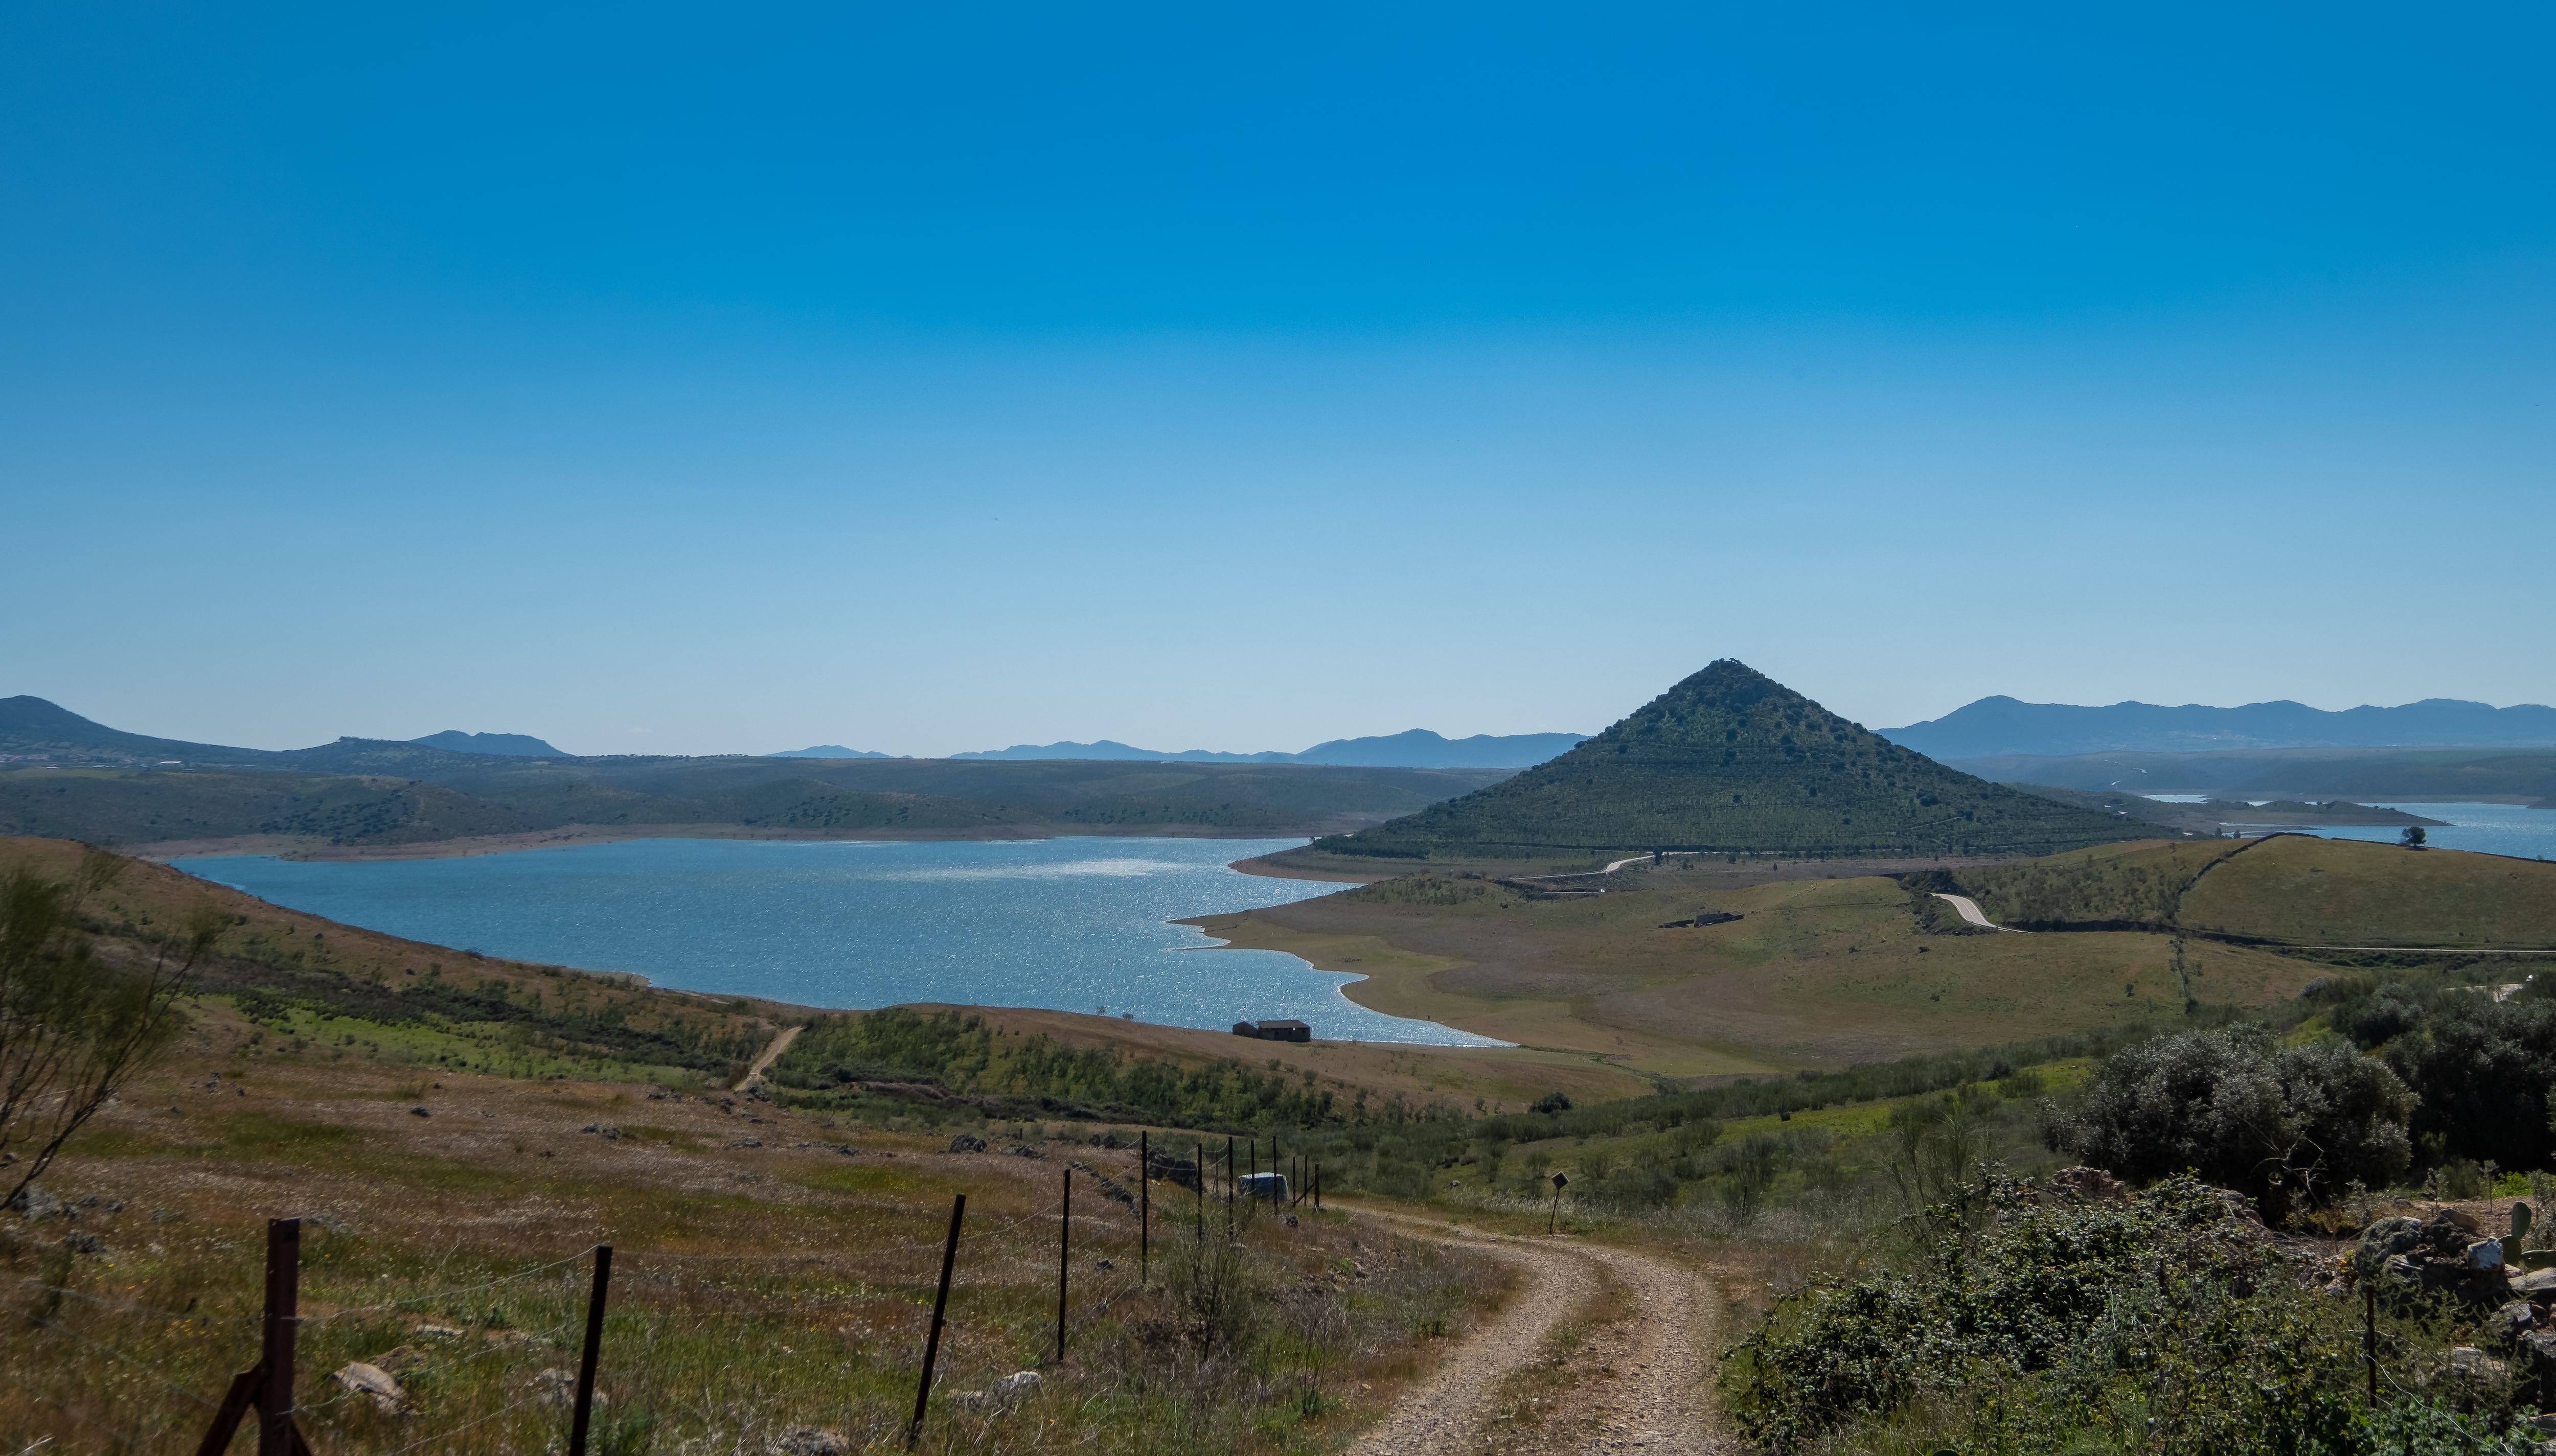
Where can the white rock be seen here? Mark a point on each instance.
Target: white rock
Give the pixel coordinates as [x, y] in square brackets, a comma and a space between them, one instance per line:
[376, 1384]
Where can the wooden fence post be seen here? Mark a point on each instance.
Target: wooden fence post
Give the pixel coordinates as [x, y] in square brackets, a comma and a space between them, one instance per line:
[594, 1349]
[1064, 1251]
[940, 1304]
[282, 1315]
[1144, 1209]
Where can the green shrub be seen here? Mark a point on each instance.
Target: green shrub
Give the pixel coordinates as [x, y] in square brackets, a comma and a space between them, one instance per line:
[2157, 1324]
[2282, 1124]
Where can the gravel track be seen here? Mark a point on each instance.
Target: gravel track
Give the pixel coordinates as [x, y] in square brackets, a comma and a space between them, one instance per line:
[1643, 1384]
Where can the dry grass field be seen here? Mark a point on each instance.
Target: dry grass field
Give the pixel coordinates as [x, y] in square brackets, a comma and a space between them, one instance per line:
[1818, 971]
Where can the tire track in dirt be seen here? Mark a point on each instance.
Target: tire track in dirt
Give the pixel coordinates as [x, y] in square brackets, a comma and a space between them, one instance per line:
[1643, 1382]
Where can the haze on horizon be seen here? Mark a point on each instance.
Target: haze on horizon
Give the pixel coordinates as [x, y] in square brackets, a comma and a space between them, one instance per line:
[668, 382]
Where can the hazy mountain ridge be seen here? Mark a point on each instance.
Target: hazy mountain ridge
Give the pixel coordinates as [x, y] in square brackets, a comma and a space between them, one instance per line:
[500, 745]
[828, 751]
[1995, 727]
[1417, 748]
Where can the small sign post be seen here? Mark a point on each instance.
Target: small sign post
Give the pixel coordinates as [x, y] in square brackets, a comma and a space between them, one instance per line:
[1560, 1183]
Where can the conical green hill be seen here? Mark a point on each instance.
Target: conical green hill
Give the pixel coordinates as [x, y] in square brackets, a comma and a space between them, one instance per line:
[1731, 761]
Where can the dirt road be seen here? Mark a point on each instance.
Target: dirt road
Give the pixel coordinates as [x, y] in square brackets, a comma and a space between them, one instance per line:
[771, 1053]
[1632, 1373]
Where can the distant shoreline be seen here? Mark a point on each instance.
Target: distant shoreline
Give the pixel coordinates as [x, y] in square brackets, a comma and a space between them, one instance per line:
[294, 848]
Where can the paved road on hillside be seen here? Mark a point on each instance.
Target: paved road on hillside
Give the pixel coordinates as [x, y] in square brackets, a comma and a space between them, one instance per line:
[1643, 1382]
[1970, 910]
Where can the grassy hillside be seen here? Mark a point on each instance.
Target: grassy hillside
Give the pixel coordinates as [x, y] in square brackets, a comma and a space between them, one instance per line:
[2291, 889]
[2343, 891]
[440, 795]
[1730, 761]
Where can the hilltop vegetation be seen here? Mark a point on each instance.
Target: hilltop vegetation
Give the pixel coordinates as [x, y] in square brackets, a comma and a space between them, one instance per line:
[1730, 761]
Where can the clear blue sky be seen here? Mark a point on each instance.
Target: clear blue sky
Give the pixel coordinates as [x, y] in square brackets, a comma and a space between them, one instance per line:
[925, 378]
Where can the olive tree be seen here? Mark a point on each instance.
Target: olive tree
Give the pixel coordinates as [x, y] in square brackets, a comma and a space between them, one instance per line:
[77, 1024]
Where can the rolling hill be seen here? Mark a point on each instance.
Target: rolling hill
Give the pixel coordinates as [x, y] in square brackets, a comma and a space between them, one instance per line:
[1731, 761]
[2286, 890]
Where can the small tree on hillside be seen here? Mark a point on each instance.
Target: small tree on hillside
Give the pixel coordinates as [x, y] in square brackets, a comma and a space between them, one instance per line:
[2412, 838]
[75, 1026]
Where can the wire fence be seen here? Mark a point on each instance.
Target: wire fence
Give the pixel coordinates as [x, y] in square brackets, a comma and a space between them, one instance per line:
[491, 1362]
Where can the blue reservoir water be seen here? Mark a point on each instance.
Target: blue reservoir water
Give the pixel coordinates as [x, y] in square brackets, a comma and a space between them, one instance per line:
[2492, 828]
[2489, 828]
[1068, 925]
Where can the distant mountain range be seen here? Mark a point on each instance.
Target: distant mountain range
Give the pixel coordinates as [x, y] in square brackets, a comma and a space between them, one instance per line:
[828, 751]
[32, 730]
[1417, 749]
[1995, 727]
[63, 775]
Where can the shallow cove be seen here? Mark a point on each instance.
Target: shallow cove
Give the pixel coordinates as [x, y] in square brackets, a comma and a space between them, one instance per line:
[1068, 925]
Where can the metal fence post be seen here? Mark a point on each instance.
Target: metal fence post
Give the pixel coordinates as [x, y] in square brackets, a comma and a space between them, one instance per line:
[1064, 1253]
[593, 1349]
[940, 1304]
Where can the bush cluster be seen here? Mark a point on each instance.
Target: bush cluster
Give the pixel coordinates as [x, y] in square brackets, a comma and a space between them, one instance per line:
[2166, 1323]
[2282, 1124]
